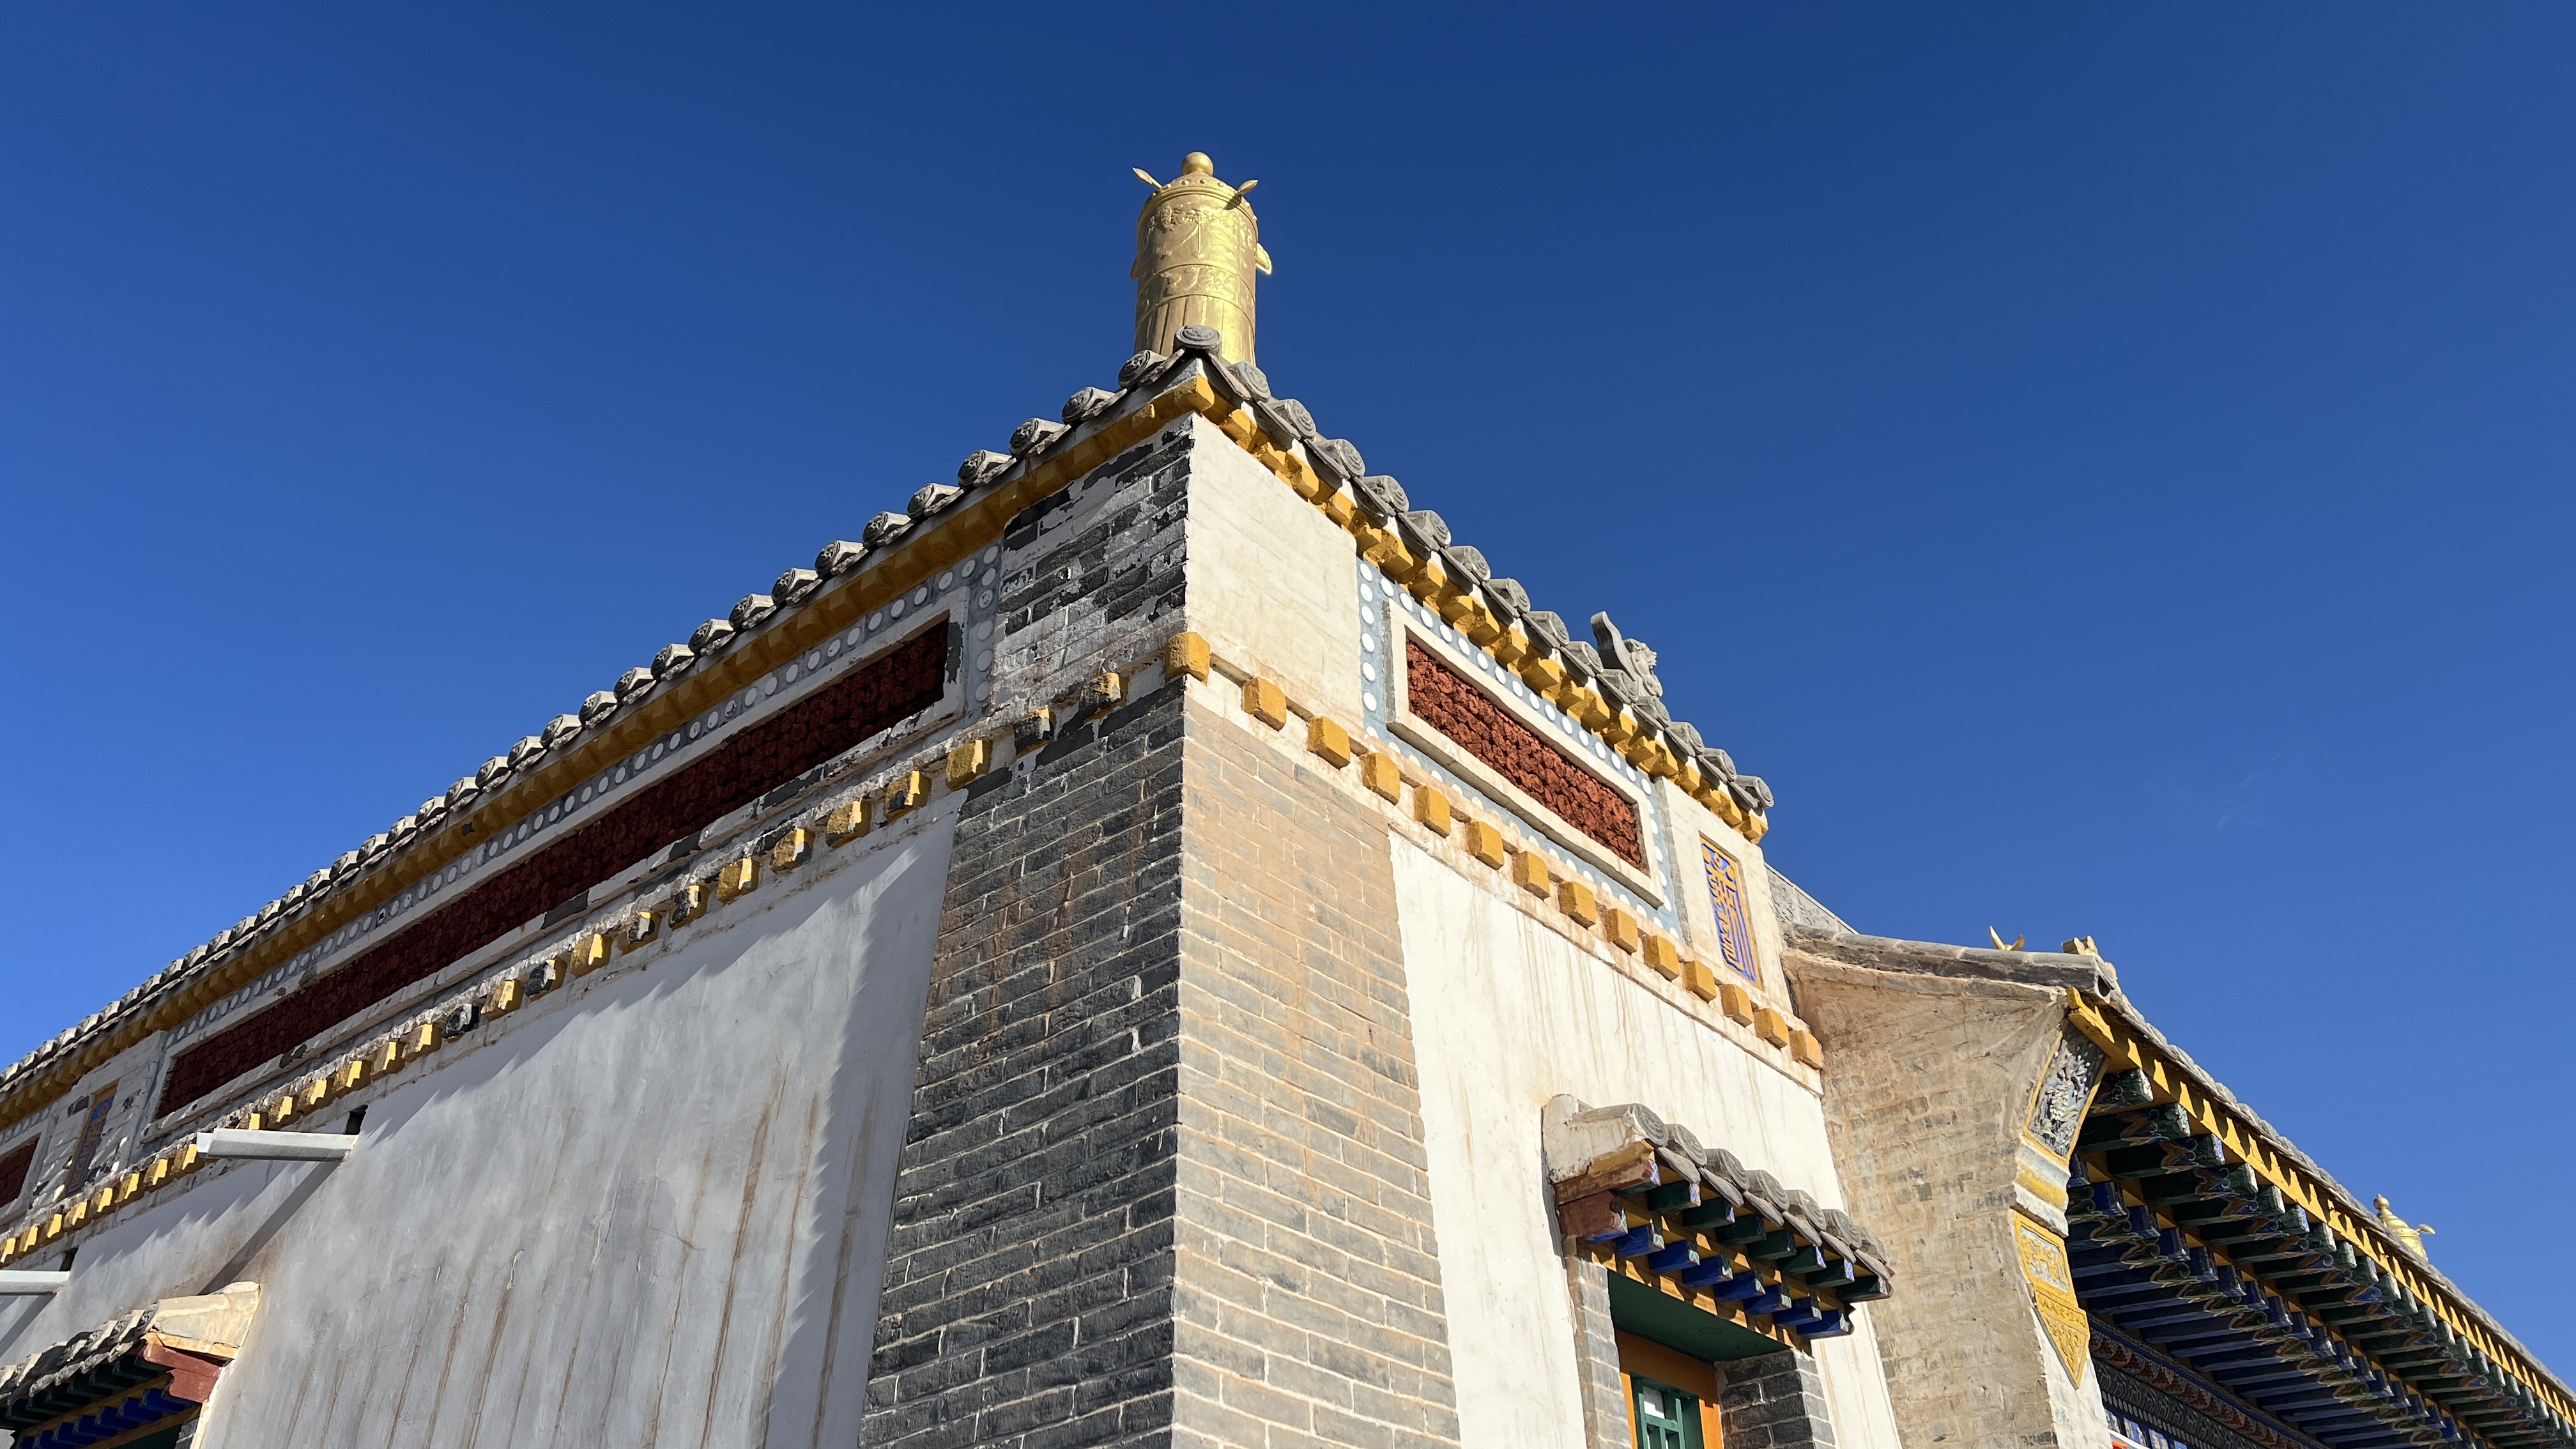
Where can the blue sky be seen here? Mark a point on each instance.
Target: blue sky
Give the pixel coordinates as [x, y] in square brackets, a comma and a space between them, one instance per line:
[2106, 466]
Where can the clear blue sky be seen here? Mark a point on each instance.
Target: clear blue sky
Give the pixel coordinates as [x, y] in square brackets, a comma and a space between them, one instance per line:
[2107, 466]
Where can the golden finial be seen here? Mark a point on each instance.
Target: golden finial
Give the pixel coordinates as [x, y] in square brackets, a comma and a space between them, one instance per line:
[1198, 247]
[2410, 1235]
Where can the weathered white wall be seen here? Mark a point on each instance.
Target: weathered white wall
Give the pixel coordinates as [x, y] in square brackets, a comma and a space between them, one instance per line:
[1272, 581]
[1506, 1014]
[648, 1209]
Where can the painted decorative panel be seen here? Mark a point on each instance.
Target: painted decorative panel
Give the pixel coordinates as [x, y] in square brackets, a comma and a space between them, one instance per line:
[2052, 1292]
[1392, 624]
[1447, 701]
[1726, 897]
[2057, 1108]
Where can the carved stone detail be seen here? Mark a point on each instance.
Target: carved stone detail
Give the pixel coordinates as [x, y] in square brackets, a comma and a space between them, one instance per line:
[2057, 1108]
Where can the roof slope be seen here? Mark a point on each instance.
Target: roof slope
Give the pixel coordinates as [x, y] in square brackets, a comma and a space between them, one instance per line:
[1620, 669]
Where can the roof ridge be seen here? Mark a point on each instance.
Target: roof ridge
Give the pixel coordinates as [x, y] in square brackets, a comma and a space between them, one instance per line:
[982, 471]
[1626, 676]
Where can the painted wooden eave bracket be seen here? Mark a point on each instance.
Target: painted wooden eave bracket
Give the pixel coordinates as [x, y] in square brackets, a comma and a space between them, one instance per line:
[125, 1375]
[2174, 1177]
[1696, 1224]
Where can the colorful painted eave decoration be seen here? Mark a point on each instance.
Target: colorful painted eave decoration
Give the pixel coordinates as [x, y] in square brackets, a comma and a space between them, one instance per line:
[1733, 1236]
[2182, 1200]
[110, 1420]
[2168, 1235]
[155, 1364]
[135, 1386]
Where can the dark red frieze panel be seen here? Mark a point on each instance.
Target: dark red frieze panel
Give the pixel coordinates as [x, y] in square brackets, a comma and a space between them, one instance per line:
[13, 1170]
[1449, 702]
[905, 681]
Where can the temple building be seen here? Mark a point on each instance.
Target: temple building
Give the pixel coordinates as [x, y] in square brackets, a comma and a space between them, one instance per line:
[1156, 942]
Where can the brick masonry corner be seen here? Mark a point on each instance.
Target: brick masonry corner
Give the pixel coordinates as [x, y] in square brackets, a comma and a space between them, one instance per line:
[1307, 1276]
[1028, 1287]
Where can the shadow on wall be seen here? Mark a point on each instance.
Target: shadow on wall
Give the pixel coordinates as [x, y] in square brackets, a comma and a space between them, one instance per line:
[656, 1206]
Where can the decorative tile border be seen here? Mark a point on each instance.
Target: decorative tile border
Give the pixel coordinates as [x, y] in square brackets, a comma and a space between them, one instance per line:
[898, 556]
[1454, 582]
[895, 792]
[616, 782]
[424, 854]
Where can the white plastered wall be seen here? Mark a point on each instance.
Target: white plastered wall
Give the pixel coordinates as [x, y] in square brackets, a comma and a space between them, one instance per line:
[652, 1207]
[1506, 1014]
[1272, 581]
[1692, 823]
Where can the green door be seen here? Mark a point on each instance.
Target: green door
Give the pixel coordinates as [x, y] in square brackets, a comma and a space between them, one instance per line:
[1667, 1418]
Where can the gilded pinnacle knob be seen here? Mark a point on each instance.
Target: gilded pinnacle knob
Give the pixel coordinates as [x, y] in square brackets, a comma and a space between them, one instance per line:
[1197, 164]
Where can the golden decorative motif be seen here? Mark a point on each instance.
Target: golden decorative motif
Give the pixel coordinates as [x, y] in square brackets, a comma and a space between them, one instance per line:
[2410, 1236]
[2052, 1292]
[1197, 247]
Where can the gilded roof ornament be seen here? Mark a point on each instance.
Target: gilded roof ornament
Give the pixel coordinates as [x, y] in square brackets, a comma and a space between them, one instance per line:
[1198, 246]
[2410, 1235]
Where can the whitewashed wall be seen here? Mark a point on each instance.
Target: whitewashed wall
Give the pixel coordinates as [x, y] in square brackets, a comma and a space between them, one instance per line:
[1507, 1014]
[648, 1209]
[1272, 582]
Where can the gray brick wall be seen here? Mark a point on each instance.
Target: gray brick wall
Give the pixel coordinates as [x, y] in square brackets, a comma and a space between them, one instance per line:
[1027, 1297]
[1596, 1357]
[1308, 1276]
[1028, 1287]
[1164, 1180]
[1093, 577]
[1774, 1401]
